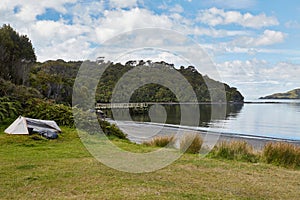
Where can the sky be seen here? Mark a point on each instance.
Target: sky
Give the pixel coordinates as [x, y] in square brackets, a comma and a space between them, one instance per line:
[253, 45]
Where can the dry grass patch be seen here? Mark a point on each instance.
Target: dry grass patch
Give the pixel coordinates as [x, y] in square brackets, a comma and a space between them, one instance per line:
[191, 143]
[283, 154]
[161, 141]
[235, 150]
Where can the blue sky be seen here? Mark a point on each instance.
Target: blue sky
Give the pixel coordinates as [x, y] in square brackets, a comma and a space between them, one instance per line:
[253, 44]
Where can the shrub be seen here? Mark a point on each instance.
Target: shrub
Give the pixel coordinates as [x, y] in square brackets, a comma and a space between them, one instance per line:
[282, 154]
[17, 92]
[48, 110]
[63, 115]
[161, 141]
[191, 143]
[235, 150]
[111, 129]
[86, 120]
[9, 109]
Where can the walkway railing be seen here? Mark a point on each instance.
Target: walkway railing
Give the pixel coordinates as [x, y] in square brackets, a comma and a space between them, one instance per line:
[103, 106]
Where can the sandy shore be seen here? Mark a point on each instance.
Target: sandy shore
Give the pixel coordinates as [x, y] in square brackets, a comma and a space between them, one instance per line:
[141, 132]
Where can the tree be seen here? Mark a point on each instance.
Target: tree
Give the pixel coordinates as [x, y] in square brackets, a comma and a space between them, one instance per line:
[16, 55]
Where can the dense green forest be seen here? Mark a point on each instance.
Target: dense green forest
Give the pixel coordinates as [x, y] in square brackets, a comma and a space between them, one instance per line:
[25, 83]
[55, 79]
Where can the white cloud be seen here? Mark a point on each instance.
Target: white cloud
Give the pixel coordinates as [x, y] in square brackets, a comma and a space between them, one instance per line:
[177, 8]
[215, 16]
[256, 78]
[116, 22]
[28, 10]
[82, 13]
[269, 37]
[154, 56]
[59, 40]
[216, 33]
[283, 71]
[237, 68]
[123, 3]
[292, 24]
[56, 30]
[230, 3]
[70, 49]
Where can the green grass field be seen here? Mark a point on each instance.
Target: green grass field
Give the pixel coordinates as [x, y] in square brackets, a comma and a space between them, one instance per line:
[64, 169]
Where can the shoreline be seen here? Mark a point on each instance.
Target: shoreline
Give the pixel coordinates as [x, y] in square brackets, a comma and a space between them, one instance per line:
[140, 132]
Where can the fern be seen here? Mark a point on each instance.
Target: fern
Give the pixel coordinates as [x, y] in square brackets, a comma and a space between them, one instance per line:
[9, 109]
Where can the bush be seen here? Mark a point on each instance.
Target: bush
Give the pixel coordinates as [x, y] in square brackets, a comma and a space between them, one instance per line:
[191, 143]
[17, 92]
[282, 154]
[48, 110]
[235, 150]
[63, 115]
[111, 130]
[161, 141]
[9, 109]
[86, 120]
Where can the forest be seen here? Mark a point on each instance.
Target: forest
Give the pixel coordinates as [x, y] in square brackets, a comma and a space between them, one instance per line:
[26, 84]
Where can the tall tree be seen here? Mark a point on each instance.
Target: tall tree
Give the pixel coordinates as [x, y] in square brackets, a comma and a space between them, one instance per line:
[16, 55]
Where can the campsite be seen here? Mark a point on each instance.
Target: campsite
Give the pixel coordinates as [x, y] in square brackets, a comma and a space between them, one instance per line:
[25, 126]
[149, 99]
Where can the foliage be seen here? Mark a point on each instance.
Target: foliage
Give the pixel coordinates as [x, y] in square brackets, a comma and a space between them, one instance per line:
[111, 130]
[48, 110]
[17, 92]
[161, 141]
[235, 150]
[191, 143]
[9, 109]
[16, 55]
[87, 121]
[55, 79]
[158, 93]
[283, 154]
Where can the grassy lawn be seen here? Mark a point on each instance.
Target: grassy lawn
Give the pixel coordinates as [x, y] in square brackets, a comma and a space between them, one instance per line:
[64, 169]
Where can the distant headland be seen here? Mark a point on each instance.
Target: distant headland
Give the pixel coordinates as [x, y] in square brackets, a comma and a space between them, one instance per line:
[293, 94]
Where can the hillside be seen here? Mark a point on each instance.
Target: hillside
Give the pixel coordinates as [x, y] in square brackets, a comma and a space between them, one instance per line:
[293, 94]
[54, 79]
[21, 75]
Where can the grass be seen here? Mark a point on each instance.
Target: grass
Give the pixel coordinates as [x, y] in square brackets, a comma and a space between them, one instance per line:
[235, 150]
[161, 141]
[191, 143]
[64, 169]
[282, 154]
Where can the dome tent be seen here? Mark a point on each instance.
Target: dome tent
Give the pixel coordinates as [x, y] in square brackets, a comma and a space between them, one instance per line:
[24, 125]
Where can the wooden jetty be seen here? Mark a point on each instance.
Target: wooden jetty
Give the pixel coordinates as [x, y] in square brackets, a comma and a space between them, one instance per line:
[104, 106]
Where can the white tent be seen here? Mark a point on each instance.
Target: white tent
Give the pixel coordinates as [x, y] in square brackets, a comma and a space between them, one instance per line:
[22, 125]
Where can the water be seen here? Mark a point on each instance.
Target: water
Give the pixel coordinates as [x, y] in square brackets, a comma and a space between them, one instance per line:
[276, 118]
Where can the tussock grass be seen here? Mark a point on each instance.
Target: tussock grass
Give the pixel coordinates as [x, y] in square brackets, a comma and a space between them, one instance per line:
[161, 141]
[191, 143]
[282, 154]
[235, 150]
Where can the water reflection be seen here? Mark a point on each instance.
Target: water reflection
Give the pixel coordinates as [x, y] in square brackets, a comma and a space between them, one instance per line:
[260, 118]
[171, 114]
[295, 106]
